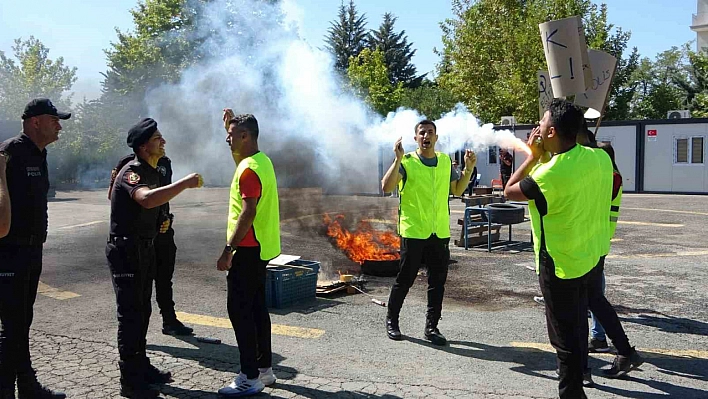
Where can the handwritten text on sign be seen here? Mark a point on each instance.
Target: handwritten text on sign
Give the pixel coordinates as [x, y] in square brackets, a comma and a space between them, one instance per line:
[603, 68]
[545, 92]
[566, 55]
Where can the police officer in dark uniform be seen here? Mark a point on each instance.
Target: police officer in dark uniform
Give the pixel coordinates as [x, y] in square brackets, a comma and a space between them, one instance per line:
[21, 249]
[165, 251]
[136, 200]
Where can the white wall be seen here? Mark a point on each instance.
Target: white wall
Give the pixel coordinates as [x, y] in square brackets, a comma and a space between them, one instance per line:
[624, 142]
[661, 172]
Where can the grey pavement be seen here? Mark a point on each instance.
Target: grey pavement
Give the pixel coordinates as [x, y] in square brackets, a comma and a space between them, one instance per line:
[498, 342]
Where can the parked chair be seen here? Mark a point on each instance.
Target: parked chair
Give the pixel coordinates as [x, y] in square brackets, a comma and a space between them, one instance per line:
[497, 185]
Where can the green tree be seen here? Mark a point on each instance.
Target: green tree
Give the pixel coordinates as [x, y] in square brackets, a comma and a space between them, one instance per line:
[655, 92]
[492, 51]
[346, 37]
[429, 99]
[161, 46]
[368, 78]
[693, 83]
[398, 53]
[32, 74]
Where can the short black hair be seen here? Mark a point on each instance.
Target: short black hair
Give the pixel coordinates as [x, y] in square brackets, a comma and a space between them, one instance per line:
[567, 118]
[247, 122]
[426, 122]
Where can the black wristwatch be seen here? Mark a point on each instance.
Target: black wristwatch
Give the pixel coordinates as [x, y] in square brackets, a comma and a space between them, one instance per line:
[230, 249]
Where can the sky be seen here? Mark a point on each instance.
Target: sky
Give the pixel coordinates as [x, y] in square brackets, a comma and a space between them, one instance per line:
[80, 30]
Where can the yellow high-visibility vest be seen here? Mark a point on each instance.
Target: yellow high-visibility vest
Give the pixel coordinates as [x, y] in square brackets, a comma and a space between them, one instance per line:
[266, 225]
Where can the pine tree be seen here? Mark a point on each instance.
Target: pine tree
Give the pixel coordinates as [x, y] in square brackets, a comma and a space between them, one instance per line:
[346, 37]
[397, 52]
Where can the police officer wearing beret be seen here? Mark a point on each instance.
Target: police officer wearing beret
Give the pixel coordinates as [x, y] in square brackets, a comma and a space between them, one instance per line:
[165, 251]
[21, 249]
[136, 199]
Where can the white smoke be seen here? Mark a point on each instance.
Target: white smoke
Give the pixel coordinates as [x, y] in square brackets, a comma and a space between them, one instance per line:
[314, 129]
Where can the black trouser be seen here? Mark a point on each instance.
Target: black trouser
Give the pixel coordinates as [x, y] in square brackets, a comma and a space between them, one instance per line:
[20, 267]
[165, 255]
[566, 319]
[435, 253]
[132, 265]
[247, 309]
[604, 312]
[505, 178]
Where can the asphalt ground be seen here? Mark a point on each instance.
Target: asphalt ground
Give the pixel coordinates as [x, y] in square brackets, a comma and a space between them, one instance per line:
[337, 347]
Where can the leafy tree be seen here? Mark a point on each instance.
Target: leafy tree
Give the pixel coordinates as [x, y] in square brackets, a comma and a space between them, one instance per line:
[368, 78]
[346, 37]
[693, 84]
[30, 75]
[654, 90]
[429, 99]
[492, 51]
[397, 52]
[160, 48]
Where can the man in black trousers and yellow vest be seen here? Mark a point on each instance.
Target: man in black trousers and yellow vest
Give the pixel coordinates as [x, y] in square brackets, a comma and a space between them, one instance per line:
[252, 240]
[569, 194]
[425, 179]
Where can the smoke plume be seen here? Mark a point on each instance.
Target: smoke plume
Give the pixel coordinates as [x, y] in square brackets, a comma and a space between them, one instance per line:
[315, 131]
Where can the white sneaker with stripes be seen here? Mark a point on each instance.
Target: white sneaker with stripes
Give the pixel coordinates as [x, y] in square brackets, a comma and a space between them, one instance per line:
[266, 376]
[242, 386]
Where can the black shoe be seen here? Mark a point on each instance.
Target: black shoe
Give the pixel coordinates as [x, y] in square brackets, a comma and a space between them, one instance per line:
[587, 379]
[623, 365]
[432, 333]
[153, 375]
[598, 346]
[175, 327]
[29, 388]
[140, 391]
[392, 329]
[7, 393]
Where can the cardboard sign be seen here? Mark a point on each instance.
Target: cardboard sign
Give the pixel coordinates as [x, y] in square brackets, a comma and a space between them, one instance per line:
[545, 92]
[566, 55]
[603, 68]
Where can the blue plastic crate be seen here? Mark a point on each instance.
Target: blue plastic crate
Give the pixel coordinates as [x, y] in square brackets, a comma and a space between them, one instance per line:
[286, 285]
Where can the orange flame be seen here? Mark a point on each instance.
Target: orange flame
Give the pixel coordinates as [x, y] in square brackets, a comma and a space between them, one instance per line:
[365, 243]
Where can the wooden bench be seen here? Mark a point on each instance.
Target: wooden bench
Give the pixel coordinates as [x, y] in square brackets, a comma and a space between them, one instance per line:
[476, 231]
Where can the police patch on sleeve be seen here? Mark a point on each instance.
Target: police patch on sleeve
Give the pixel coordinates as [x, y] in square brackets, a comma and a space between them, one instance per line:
[132, 178]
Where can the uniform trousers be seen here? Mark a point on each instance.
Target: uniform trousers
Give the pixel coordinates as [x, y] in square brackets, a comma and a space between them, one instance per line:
[20, 267]
[132, 266]
[165, 255]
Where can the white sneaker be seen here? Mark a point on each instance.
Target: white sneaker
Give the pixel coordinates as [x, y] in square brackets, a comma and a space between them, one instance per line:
[266, 376]
[242, 386]
[539, 300]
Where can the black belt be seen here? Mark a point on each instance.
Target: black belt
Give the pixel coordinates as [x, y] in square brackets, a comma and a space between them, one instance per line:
[26, 240]
[119, 241]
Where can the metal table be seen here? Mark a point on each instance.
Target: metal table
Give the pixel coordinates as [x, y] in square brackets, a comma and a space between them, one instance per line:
[480, 209]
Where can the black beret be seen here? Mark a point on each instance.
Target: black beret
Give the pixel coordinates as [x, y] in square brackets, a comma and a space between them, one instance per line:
[141, 132]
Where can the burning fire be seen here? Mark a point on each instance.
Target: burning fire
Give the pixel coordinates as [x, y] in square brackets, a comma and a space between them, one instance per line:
[365, 243]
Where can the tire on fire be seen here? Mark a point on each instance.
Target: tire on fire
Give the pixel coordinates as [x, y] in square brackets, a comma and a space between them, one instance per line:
[505, 213]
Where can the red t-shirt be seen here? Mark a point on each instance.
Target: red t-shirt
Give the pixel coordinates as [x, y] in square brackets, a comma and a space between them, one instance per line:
[250, 187]
[616, 184]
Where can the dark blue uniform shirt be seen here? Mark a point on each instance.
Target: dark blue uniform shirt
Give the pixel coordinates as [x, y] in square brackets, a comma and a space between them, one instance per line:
[28, 184]
[128, 218]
